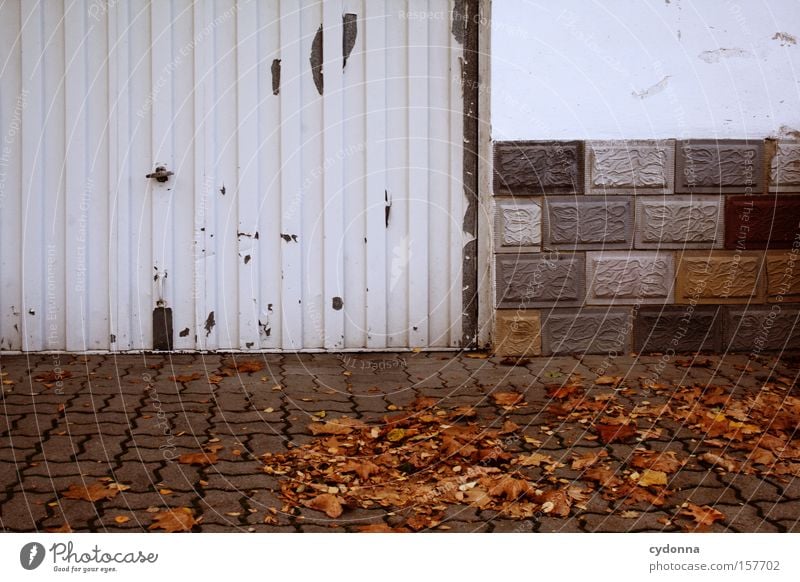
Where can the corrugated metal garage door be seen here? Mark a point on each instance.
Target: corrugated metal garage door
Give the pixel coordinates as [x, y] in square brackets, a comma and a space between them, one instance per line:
[317, 199]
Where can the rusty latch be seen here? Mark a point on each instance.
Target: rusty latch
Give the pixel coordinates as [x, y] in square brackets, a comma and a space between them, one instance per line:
[161, 174]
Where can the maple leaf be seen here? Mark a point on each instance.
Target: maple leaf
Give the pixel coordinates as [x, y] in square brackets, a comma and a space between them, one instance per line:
[53, 376]
[511, 488]
[604, 477]
[587, 460]
[608, 380]
[327, 503]
[244, 366]
[336, 426]
[507, 399]
[610, 433]
[364, 469]
[555, 502]
[536, 460]
[561, 391]
[704, 516]
[174, 520]
[762, 457]
[380, 528]
[666, 461]
[94, 492]
[200, 459]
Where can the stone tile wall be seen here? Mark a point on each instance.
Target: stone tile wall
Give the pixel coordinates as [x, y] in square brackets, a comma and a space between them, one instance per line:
[654, 246]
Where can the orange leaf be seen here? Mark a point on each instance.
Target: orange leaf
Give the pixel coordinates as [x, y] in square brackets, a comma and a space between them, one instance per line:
[610, 433]
[201, 459]
[173, 520]
[94, 492]
[507, 398]
[342, 425]
[704, 516]
[245, 366]
[326, 503]
[363, 469]
[186, 377]
[587, 460]
[608, 380]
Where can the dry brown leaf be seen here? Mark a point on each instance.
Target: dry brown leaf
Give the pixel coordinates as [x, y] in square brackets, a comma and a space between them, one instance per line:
[200, 459]
[561, 391]
[326, 503]
[511, 488]
[507, 398]
[93, 492]
[174, 520]
[587, 460]
[336, 426]
[65, 528]
[53, 376]
[616, 433]
[665, 461]
[719, 460]
[364, 469]
[535, 460]
[244, 366]
[703, 516]
[122, 519]
[608, 380]
[379, 528]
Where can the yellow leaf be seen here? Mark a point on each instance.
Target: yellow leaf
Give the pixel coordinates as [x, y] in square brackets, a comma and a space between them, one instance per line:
[122, 519]
[396, 434]
[650, 477]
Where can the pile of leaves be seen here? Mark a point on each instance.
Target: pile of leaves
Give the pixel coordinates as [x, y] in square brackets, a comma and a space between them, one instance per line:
[427, 458]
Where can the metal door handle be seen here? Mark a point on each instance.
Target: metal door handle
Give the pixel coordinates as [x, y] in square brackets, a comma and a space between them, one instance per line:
[161, 174]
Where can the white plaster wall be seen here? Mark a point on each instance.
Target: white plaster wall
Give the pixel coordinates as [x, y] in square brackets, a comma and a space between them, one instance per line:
[581, 69]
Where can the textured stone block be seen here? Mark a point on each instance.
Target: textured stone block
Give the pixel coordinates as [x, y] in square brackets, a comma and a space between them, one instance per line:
[679, 222]
[784, 167]
[580, 222]
[681, 329]
[542, 279]
[518, 225]
[760, 222]
[783, 276]
[587, 330]
[517, 333]
[630, 167]
[629, 277]
[758, 329]
[719, 277]
[536, 167]
[718, 166]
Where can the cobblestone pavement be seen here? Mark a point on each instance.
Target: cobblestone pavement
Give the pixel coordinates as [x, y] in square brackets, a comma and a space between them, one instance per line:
[122, 417]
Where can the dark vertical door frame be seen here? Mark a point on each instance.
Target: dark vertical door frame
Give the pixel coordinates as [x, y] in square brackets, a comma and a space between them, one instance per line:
[468, 11]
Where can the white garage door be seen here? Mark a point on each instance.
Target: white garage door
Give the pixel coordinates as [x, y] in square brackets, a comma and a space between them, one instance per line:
[306, 165]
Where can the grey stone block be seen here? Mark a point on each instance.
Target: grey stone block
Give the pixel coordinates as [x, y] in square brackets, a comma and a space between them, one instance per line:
[630, 167]
[629, 277]
[762, 328]
[682, 329]
[581, 222]
[589, 330]
[719, 166]
[537, 167]
[680, 222]
[539, 279]
[784, 167]
[518, 225]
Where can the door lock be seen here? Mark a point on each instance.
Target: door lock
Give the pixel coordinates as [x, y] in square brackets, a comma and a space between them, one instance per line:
[160, 174]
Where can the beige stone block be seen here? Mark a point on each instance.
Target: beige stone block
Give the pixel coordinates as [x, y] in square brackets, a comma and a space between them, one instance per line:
[518, 333]
[719, 277]
[783, 276]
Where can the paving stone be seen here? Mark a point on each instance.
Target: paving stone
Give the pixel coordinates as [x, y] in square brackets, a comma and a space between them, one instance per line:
[679, 222]
[23, 511]
[762, 222]
[535, 168]
[518, 225]
[577, 222]
[619, 277]
[517, 333]
[634, 166]
[587, 330]
[535, 280]
[784, 167]
[719, 277]
[718, 166]
[682, 329]
[756, 329]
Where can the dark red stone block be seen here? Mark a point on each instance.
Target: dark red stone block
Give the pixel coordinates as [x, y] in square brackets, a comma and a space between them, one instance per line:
[761, 222]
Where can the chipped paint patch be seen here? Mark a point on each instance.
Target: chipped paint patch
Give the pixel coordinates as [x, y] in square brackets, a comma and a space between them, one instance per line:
[717, 55]
[785, 38]
[275, 69]
[316, 60]
[652, 90]
[350, 24]
[209, 324]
